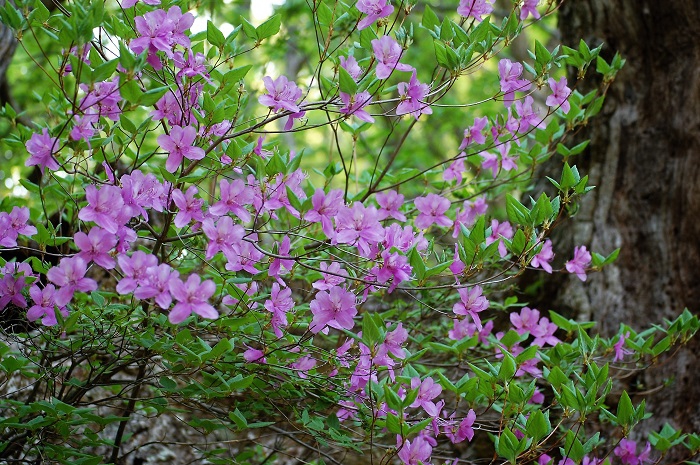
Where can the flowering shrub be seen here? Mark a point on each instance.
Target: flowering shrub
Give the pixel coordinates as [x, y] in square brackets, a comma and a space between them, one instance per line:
[179, 264]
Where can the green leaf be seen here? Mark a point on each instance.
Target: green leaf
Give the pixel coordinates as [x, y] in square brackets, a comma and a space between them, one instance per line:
[430, 20]
[214, 35]
[516, 211]
[371, 334]
[269, 28]
[238, 419]
[346, 82]
[625, 410]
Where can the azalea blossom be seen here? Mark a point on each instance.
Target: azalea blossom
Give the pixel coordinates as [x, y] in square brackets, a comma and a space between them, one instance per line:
[432, 210]
[413, 96]
[471, 303]
[543, 257]
[355, 104]
[560, 94]
[179, 145]
[191, 297]
[374, 9]
[335, 309]
[581, 261]
[41, 147]
[476, 9]
[388, 53]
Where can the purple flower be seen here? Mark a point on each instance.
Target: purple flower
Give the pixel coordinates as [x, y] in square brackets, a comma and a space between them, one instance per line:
[471, 303]
[178, 144]
[619, 347]
[354, 105]
[467, 215]
[44, 304]
[334, 309]
[393, 341]
[223, 236]
[330, 280]
[95, 246]
[560, 94]
[509, 73]
[130, 3]
[544, 333]
[395, 267]
[455, 170]
[279, 303]
[70, 276]
[243, 256]
[529, 8]
[358, 224]
[388, 53]
[543, 257]
[432, 210]
[254, 355]
[417, 452]
[105, 207]
[277, 263]
[475, 8]
[135, 269]
[168, 107]
[474, 134]
[282, 95]
[189, 207]
[41, 147]
[489, 161]
[157, 284]
[191, 297]
[413, 95]
[627, 452]
[581, 261]
[191, 65]
[234, 197]
[528, 115]
[389, 203]
[13, 224]
[526, 321]
[465, 429]
[11, 287]
[350, 65]
[428, 390]
[499, 230]
[303, 365]
[374, 9]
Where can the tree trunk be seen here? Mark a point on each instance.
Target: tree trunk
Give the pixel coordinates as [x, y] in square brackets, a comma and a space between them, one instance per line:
[644, 158]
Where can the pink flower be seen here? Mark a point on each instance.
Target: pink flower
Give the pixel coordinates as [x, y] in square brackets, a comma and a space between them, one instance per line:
[44, 304]
[560, 94]
[96, 246]
[389, 203]
[619, 347]
[330, 280]
[11, 287]
[41, 147]
[278, 263]
[417, 452]
[489, 161]
[374, 9]
[388, 53]
[192, 297]
[413, 95]
[282, 95]
[157, 284]
[354, 105]
[465, 429]
[324, 208]
[455, 170]
[223, 236]
[526, 321]
[529, 8]
[627, 452]
[334, 309]
[467, 215]
[189, 207]
[70, 276]
[235, 196]
[254, 356]
[395, 267]
[358, 224]
[105, 207]
[432, 210]
[471, 303]
[475, 8]
[428, 390]
[528, 115]
[581, 261]
[510, 80]
[499, 230]
[243, 256]
[136, 270]
[13, 224]
[178, 144]
[544, 333]
[475, 133]
[543, 257]
[393, 342]
[279, 303]
[350, 65]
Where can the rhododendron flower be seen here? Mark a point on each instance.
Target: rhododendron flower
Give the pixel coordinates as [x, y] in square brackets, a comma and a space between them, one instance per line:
[581, 261]
[415, 453]
[191, 65]
[627, 453]
[189, 207]
[544, 333]
[157, 284]
[560, 94]
[395, 267]
[543, 257]
[529, 7]
[135, 269]
[303, 365]
[428, 390]
[178, 144]
[474, 134]
[160, 31]
[465, 429]
[354, 105]
[335, 309]
[374, 9]
[475, 8]
[192, 296]
[96, 246]
[11, 287]
[413, 95]
[41, 147]
[499, 230]
[278, 263]
[467, 215]
[141, 191]
[44, 304]
[432, 210]
[223, 236]
[350, 65]
[389, 203]
[330, 280]
[254, 355]
[526, 321]
[70, 276]
[13, 224]
[279, 303]
[528, 115]
[471, 303]
[235, 196]
[105, 207]
[619, 347]
[130, 3]
[510, 81]
[282, 95]
[243, 256]
[393, 342]
[358, 224]
[169, 108]
[388, 53]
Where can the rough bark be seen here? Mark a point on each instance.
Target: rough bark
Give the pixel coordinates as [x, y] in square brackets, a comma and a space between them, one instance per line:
[644, 157]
